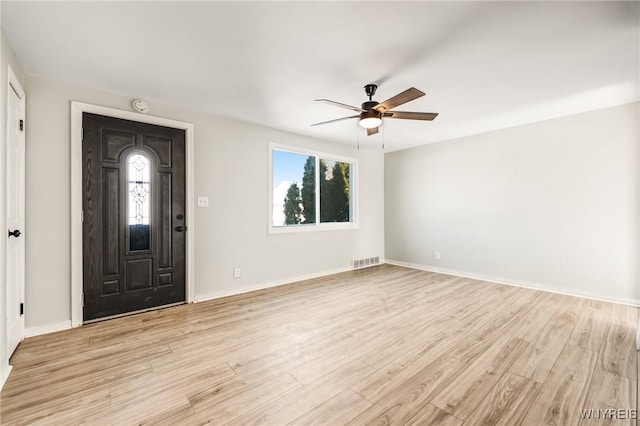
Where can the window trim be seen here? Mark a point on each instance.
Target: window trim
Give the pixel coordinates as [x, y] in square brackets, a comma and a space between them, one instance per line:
[314, 227]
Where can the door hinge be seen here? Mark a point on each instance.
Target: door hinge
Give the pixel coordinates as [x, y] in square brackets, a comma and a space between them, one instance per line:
[82, 216]
[83, 300]
[21, 309]
[22, 125]
[82, 133]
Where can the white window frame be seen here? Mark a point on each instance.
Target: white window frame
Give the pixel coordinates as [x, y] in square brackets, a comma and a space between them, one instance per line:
[315, 227]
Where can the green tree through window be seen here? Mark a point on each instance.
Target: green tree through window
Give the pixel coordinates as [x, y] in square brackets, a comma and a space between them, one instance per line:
[309, 190]
[334, 191]
[292, 209]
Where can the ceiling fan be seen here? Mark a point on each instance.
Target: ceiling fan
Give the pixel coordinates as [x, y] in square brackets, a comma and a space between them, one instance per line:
[371, 112]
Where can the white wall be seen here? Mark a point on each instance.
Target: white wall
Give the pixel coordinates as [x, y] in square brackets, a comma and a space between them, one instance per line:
[230, 167]
[7, 58]
[551, 205]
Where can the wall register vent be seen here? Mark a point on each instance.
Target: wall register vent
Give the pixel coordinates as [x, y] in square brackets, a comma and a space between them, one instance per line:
[365, 262]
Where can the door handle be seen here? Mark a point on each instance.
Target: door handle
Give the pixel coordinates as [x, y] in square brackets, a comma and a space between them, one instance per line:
[180, 228]
[15, 233]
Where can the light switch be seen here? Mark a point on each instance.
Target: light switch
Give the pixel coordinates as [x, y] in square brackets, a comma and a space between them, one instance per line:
[203, 201]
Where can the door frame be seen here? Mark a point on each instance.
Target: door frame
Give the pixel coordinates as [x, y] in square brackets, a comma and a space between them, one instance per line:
[77, 108]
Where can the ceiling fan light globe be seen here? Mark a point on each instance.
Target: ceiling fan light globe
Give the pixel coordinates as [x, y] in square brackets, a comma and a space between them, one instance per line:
[370, 122]
[370, 119]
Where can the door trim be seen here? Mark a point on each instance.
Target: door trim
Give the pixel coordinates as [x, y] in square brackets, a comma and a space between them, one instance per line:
[77, 108]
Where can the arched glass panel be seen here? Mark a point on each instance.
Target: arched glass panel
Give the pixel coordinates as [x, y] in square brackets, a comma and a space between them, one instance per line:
[139, 201]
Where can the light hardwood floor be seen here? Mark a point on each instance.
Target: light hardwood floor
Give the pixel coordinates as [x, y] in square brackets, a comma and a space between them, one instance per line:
[386, 345]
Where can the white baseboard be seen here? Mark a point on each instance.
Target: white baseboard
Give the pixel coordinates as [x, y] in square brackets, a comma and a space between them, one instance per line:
[46, 329]
[5, 369]
[247, 289]
[518, 283]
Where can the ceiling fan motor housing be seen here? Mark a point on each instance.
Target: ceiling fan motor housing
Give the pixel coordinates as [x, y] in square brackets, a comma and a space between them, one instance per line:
[369, 105]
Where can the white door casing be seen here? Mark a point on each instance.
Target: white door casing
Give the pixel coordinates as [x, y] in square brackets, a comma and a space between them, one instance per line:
[15, 213]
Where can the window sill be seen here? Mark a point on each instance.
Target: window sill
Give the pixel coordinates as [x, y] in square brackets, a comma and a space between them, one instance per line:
[293, 229]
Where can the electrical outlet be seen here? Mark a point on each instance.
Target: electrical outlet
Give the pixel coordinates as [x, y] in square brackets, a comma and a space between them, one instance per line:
[236, 272]
[436, 255]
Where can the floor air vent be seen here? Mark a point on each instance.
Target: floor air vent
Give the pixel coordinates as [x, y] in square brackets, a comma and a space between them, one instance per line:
[365, 262]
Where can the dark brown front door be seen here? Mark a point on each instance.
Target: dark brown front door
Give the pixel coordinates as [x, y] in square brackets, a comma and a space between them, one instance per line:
[133, 216]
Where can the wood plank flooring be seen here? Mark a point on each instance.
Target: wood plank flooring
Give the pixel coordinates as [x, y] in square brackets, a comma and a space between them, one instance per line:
[385, 345]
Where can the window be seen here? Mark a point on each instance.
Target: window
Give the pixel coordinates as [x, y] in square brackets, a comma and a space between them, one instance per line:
[139, 192]
[311, 191]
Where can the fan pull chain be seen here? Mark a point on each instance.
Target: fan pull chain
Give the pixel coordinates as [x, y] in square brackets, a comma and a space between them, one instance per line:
[383, 132]
[358, 135]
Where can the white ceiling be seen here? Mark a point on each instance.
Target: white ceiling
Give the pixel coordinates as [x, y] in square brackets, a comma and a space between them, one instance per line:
[483, 65]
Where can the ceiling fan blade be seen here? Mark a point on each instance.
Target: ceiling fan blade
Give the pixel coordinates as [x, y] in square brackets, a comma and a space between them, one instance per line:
[399, 99]
[411, 115]
[341, 105]
[337, 119]
[372, 131]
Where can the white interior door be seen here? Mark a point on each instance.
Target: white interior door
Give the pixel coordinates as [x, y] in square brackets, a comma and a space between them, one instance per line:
[15, 180]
